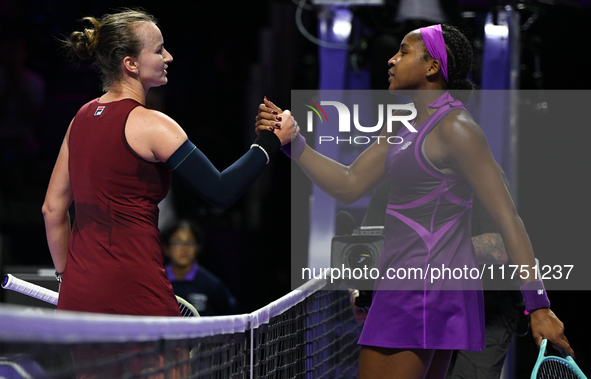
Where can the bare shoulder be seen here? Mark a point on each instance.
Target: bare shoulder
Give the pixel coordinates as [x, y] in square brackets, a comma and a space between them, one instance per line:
[459, 129]
[153, 135]
[151, 120]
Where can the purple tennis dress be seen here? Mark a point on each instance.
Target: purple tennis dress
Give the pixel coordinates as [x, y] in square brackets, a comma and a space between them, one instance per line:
[427, 229]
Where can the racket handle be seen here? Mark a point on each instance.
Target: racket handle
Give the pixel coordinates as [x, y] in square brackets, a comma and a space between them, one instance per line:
[542, 351]
[29, 289]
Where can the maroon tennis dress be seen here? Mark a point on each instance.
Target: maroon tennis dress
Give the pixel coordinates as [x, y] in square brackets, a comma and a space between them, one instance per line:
[115, 256]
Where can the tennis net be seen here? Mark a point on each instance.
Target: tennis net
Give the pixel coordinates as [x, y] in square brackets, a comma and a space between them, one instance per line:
[309, 333]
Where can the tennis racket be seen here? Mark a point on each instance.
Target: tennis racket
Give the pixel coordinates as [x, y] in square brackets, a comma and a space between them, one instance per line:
[12, 283]
[552, 367]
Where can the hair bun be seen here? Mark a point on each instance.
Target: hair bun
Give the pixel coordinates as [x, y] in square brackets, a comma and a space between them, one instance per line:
[107, 41]
[84, 43]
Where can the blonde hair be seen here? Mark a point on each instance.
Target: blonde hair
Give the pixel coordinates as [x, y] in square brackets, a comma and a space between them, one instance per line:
[108, 40]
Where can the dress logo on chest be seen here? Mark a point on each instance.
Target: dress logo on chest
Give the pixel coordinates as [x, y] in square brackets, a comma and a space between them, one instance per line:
[407, 144]
[99, 110]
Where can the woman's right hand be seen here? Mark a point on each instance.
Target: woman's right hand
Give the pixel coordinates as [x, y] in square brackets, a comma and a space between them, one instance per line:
[545, 324]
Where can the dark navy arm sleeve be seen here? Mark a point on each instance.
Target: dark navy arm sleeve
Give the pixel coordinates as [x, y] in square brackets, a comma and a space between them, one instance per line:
[221, 189]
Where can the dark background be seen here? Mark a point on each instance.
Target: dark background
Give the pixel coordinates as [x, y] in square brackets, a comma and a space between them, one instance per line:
[227, 56]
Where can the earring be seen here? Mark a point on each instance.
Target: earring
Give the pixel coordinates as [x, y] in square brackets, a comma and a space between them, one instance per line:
[137, 72]
[428, 73]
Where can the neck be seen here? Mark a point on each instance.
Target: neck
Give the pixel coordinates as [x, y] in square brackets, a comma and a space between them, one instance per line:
[422, 99]
[181, 271]
[126, 89]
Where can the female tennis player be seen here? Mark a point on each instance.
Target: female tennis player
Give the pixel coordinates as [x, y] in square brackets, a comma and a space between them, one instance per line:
[412, 333]
[115, 164]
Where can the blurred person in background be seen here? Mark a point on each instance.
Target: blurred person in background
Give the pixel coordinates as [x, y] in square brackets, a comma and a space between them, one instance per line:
[183, 243]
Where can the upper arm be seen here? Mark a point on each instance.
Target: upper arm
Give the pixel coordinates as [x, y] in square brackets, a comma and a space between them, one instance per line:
[58, 197]
[369, 168]
[153, 135]
[468, 152]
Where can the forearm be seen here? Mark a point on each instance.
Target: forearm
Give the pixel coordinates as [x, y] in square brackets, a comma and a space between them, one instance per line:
[490, 249]
[332, 177]
[57, 230]
[346, 184]
[220, 189]
[518, 246]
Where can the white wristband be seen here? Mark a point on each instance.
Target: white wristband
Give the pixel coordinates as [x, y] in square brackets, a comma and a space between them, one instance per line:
[263, 150]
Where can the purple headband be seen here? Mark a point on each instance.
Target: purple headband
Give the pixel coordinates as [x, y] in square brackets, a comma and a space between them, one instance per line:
[433, 39]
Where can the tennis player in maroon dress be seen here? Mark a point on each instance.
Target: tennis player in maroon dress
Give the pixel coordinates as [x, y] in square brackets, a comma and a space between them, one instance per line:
[115, 165]
[115, 256]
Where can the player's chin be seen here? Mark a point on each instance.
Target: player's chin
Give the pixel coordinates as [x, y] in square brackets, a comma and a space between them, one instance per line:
[392, 84]
[161, 82]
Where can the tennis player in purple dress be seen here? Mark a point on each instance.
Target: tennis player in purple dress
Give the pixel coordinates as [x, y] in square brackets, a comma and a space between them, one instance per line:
[411, 332]
[427, 217]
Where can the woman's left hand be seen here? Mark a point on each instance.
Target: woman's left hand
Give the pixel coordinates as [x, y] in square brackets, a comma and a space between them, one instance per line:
[271, 117]
[545, 324]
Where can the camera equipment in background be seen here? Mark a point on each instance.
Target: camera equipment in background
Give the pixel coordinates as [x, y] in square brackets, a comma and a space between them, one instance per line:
[360, 249]
[356, 248]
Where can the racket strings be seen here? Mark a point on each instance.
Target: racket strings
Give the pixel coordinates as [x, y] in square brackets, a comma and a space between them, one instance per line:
[555, 369]
[185, 311]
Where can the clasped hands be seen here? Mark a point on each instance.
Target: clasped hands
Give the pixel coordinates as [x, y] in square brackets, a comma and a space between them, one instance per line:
[272, 118]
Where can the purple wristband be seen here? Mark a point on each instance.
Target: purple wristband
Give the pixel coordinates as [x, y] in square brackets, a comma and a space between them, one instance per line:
[534, 295]
[295, 148]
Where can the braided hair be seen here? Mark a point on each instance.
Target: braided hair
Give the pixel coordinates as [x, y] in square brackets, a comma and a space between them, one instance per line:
[459, 58]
